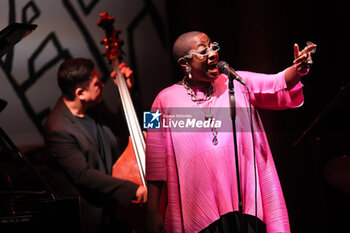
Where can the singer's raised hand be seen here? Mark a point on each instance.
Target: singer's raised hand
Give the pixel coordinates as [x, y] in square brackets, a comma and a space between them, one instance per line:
[301, 64]
[302, 59]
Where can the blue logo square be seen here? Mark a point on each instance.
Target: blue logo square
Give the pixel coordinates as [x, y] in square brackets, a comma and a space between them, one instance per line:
[151, 120]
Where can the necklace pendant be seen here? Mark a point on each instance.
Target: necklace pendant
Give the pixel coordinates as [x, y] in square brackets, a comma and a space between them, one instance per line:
[215, 141]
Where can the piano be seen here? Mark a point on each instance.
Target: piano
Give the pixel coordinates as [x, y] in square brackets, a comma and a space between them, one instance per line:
[35, 196]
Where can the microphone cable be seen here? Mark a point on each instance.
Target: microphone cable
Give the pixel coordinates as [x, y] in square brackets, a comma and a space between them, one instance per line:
[254, 157]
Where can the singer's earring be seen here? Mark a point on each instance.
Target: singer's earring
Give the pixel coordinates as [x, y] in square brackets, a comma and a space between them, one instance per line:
[188, 71]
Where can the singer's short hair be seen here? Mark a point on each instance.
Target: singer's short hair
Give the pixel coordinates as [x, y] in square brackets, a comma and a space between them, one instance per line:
[181, 46]
[74, 73]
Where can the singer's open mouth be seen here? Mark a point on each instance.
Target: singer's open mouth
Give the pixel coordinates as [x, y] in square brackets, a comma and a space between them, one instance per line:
[213, 67]
[213, 70]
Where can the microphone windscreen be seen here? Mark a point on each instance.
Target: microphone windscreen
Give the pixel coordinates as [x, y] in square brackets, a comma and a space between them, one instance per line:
[222, 67]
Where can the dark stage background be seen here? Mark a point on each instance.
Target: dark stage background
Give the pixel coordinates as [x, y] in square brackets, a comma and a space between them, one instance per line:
[253, 35]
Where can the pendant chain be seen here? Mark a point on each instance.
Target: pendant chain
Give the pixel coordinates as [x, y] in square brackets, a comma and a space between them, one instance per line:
[200, 101]
[194, 98]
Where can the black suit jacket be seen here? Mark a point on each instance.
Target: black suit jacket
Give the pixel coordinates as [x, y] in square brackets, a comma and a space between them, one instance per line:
[77, 152]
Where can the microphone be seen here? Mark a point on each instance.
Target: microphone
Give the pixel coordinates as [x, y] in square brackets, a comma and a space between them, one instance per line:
[230, 72]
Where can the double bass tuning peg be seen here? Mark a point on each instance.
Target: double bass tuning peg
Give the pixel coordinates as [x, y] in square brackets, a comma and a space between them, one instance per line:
[103, 41]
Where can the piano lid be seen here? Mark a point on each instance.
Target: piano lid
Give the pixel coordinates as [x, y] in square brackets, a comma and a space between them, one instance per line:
[12, 34]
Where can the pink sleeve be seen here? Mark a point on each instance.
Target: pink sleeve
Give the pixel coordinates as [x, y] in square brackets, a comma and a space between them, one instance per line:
[158, 147]
[269, 91]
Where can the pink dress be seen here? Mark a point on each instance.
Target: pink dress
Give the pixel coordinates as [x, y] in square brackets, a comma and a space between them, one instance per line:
[201, 177]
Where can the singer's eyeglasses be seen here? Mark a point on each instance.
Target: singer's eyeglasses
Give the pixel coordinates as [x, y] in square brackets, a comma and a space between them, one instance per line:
[204, 52]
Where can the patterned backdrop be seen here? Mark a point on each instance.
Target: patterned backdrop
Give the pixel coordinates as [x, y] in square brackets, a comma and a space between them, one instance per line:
[66, 29]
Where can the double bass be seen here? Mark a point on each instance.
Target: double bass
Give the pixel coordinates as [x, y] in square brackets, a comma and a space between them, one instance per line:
[131, 164]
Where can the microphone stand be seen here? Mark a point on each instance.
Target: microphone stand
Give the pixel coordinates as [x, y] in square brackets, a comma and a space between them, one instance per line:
[233, 118]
